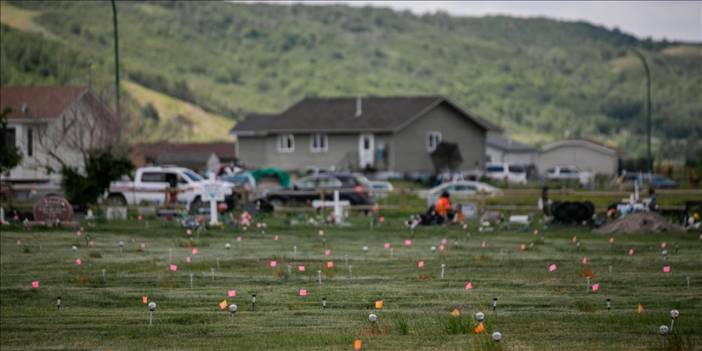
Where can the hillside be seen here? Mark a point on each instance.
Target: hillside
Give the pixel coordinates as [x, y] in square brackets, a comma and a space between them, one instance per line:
[538, 78]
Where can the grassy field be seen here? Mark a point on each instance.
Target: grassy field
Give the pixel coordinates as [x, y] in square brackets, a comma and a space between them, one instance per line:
[537, 310]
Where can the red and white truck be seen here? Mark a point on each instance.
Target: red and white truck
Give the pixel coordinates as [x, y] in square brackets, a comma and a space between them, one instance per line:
[154, 185]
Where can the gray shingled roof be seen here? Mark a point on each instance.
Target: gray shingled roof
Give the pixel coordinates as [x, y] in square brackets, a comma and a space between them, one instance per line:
[498, 141]
[338, 115]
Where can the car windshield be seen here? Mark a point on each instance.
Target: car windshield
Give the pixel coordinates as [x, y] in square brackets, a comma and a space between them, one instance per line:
[494, 168]
[238, 179]
[193, 176]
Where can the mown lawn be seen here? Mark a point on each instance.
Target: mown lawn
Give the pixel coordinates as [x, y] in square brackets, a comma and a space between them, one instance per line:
[536, 310]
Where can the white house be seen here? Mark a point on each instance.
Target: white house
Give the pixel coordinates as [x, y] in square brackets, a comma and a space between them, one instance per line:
[585, 154]
[53, 126]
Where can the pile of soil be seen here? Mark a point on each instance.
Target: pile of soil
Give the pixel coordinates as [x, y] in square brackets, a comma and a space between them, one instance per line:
[642, 222]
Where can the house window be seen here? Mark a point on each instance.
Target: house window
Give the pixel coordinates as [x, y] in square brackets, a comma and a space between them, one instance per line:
[433, 140]
[286, 143]
[30, 142]
[8, 138]
[318, 143]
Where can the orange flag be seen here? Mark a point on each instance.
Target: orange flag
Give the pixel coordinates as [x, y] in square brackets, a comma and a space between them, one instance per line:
[639, 309]
[144, 300]
[379, 304]
[480, 328]
[357, 344]
[223, 305]
[456, 312]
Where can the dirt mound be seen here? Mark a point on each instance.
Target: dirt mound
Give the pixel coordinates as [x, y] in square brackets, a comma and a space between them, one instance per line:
[642, 222]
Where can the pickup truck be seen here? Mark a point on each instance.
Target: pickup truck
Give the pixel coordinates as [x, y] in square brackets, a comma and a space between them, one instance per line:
[149, 184]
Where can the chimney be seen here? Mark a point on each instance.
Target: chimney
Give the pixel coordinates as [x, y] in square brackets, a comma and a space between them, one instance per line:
[359, 106]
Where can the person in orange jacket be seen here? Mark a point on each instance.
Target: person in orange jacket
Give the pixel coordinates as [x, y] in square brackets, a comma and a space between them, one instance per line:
[442, 207]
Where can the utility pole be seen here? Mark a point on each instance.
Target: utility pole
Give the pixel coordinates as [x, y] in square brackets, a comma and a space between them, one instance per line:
[648, 108]
[119, 115]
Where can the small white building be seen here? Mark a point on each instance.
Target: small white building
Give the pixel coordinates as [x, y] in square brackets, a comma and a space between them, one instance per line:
[502, 149]
[586, 155]
[52, 127]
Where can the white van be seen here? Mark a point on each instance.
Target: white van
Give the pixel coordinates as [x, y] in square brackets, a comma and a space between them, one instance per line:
[504, 171]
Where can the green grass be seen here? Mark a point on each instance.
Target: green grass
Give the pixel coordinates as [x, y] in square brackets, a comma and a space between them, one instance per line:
[537, 310]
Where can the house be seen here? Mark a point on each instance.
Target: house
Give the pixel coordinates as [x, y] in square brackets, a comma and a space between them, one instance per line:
[358, 133]
[200, 157]
[53, 126]
[585, 154]
[503, 149]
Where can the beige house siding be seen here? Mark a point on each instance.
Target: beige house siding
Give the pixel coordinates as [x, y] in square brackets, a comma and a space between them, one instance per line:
[410, 143]
[586, 159]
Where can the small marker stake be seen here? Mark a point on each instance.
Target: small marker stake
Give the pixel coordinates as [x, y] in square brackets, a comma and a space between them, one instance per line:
[494, 304]
[688, 281]
[217, 262]
[392, 252]
[324, 303]
[58, 303]
[212, 270]
[346, 259]
[587, 288]
[103, 275]
[610, 269]
[609, 304]
[294, 250]
[253, 302]
[443, 269]
[152, 308]
[191, 280]
[319, 277]
[350, 271]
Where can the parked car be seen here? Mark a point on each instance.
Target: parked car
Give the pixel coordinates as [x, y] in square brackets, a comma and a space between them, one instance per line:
[504, 171]
[649, 180]
[565, 173]
[148, 185]
[460, 190]
[310, 188]
[380, 189]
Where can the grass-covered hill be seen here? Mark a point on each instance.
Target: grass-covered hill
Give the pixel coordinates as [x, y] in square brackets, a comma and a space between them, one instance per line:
[540, 79]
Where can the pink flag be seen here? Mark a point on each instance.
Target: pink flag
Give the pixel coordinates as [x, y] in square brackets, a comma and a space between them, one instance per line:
[301, 268]
[238, 238]
[189, 232]
[79, 261]
[595, 287]
[444, 241]
[321, 232]
[194, 251]
[585, 260]
[35, 284]
[442, 247]
[274, 263]
[330, 264]
[327, 252]
[386, 245]
[408, 242]
[420, 264]
[522, 247]
[631, 252]
[664, 245]
[19, 242]
[173, 268]
[143, 246]
[381, 219]
[303, 292]
[552, 267]
[574, 239]
[469, 285]
[231, 293]
[276, 237]
[188, 259]
[536, 232]
[483, 243]
[611, 240]
[666, 269]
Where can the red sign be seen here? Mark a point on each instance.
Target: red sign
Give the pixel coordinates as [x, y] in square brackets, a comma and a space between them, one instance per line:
[52, 208]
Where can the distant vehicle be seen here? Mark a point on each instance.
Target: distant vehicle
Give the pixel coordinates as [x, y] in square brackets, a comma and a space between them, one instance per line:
[460, 190]
[149, 186]
[649, 180]
[504, 171]
[565, 173]
[380, 189]
[310, 188]
[240, 180]
[387, 175]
